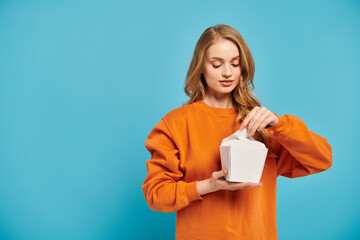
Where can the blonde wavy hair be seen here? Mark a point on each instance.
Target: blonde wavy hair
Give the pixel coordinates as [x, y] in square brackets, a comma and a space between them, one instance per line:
[243, 97]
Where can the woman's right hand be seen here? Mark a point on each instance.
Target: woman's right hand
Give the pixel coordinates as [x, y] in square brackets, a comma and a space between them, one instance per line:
[217, 182]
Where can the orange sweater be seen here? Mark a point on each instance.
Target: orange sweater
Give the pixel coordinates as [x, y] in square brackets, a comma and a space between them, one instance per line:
[184, 148]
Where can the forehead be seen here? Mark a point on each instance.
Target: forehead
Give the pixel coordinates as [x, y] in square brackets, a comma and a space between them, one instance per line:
[224, 49]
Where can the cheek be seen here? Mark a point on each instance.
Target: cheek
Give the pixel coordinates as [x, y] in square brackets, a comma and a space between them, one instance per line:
[211, 73]
[238, 72]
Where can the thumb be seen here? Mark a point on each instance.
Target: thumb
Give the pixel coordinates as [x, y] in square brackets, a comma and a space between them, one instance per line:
[223, 172]
[219, 174]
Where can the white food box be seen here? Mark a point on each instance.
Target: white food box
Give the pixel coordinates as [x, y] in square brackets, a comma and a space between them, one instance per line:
[243, 156]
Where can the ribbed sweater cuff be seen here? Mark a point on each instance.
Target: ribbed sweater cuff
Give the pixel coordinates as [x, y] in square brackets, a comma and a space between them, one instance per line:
[279, 127]
[192, 192]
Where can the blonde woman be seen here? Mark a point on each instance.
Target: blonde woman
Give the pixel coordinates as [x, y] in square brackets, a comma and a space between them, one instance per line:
[184, 172]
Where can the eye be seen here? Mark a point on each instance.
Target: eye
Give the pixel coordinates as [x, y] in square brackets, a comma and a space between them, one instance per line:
[216, 66]
[236, 65]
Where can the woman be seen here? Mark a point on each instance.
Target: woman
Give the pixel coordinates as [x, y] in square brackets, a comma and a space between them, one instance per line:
[184, 172]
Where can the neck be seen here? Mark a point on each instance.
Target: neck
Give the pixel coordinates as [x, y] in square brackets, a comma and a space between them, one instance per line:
[223, 101]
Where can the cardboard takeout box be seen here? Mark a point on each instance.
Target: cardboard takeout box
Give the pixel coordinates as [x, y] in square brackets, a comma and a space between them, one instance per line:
[243, 156]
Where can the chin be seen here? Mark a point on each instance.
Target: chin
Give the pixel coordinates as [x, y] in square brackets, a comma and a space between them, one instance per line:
[226, 90]
[221, 90]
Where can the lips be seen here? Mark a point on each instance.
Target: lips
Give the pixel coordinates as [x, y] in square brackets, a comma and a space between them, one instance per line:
[226, 83]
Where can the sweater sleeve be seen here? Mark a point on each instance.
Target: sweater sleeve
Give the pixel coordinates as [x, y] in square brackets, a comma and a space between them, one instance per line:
[163, 188]
[302, 152]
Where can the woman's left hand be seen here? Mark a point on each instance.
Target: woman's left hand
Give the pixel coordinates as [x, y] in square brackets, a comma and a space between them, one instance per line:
[257, 119]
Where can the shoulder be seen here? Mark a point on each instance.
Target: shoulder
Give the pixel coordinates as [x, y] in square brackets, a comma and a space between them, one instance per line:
[181, 112]
[178, 118]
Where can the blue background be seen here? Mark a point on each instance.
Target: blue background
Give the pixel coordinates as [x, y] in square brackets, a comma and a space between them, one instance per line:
[82, 83]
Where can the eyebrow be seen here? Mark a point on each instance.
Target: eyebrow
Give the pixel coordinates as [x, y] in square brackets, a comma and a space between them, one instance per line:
[218, 58]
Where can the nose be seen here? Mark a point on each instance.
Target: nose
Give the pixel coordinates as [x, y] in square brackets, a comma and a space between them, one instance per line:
[227, 72]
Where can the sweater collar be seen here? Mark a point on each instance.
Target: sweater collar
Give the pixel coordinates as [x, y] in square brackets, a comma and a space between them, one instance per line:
[214, 110]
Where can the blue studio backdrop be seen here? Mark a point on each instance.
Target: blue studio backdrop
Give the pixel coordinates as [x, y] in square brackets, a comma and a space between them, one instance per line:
[82, 83]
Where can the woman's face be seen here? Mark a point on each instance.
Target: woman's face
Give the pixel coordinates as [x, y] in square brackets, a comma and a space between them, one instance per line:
[222, 67]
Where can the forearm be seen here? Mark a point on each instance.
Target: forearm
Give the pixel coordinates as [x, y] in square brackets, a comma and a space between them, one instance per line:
[303, 152]
[170, 196]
